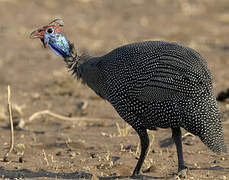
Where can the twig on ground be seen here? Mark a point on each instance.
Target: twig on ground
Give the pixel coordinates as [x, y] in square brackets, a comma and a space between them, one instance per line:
[188, 134]
[45, 158]
[47, 112]
[11, 126]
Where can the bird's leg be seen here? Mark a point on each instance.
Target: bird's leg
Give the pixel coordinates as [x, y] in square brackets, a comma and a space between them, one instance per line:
[176, 134]
[144, 138]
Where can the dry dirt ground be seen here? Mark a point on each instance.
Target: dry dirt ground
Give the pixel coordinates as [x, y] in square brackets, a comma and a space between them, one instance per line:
[101, 146]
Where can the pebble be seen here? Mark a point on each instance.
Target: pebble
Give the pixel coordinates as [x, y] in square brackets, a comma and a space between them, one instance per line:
[21, 160]
[189, 142]
[150, 169]
[74, 154]
[5, 159]
[215, 161]
[93, 155]
[223, 178]
[115, 158]
[58, 153]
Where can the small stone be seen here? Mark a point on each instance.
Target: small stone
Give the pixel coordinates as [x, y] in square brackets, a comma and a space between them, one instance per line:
[113, 174]
[93, 155]
[5, 159]
[223, 178]
[189, 142]
[58, 153]
[115, 158]
[94, 177]
[222, 96]
[82, 105]
[130, 148]
[103, 166]
[21, 160]
[150, 169]
[69, 150]
[215, 161]
[74, 154]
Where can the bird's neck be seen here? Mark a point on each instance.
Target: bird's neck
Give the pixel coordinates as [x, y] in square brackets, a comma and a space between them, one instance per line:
[85, 68]
[74, 64]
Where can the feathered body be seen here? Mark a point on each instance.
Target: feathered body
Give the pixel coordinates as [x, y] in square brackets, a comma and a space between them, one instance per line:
[157, 84]
[151, 84]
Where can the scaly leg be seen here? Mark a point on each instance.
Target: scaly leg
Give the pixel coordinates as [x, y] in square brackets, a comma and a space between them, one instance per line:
[176, 134]
[144, 138]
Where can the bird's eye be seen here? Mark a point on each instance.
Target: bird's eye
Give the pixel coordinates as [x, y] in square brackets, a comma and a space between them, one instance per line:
[50, 30]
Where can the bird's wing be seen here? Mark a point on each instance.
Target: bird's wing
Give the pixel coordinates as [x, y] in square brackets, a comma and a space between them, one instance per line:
[166, 80]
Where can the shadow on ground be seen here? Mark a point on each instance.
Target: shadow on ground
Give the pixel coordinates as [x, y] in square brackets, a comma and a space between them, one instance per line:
[130, 177]
[215, 168]
[24, 173]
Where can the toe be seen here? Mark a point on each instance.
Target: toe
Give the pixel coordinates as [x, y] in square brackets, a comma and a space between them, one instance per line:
[182, 173]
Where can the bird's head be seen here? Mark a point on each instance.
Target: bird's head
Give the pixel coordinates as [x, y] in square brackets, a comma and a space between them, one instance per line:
[51, 35]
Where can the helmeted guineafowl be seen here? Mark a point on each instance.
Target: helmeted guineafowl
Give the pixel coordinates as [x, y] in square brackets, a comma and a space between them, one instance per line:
[155, 84]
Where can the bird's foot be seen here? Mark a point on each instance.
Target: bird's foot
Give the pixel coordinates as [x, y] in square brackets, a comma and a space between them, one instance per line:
[135, 174]
[182, 172]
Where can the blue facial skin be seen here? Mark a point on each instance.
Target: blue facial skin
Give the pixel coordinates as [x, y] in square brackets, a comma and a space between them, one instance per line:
[57, 42]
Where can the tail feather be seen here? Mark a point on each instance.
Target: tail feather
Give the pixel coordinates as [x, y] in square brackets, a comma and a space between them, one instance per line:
[213, 138]
[209, 129]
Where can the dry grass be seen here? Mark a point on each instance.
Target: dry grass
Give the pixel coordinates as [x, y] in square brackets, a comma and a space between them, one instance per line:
[11, 125]
[3, 115]
[191, 7]
[17, 112]
[45, 157]
[124, 130]
[138, 150]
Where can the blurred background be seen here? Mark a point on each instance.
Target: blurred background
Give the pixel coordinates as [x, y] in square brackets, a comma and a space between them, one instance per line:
[39, 79]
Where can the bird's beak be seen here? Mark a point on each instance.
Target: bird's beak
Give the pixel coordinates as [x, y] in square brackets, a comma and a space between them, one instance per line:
[39, 33]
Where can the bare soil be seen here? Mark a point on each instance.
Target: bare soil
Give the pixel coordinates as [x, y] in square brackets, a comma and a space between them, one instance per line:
[106, 148]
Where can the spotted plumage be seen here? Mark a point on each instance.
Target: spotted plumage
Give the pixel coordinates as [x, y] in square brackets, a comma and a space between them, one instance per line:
[157, 84]
[154, 84]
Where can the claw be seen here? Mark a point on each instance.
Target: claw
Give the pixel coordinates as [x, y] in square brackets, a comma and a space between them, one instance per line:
[181, 174]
